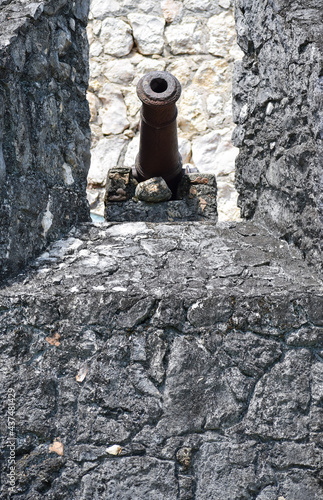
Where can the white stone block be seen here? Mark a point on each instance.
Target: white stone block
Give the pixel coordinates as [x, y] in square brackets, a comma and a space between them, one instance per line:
[172, 10]
[186, 38]
[119, 71]
[214, 152]
[114, 115]
[199, 5]
[185, 149]
[116, 37]
[148, 64]
[105, 155]
[95, 48]
[100, 9]
[221, 34]
[148, 32]
[225, 4]
[113, 111]
[132, 102]
[192, 115]
[132, 151]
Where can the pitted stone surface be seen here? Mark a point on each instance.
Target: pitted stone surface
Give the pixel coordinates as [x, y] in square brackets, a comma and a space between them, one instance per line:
[196, 198]
[278, 96]
[198, 350]
[44, 129]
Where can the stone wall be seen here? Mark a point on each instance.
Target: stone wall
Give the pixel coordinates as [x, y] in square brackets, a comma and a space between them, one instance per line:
[193, 40]
[178, 361]
[278, 96]
[44, 131]
[164, 362]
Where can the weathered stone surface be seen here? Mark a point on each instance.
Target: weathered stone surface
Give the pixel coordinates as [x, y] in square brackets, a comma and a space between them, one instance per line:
[153, 190]
[195, 198]
[277, 418]
[162, 360]
[116, 37]
[113, 112]
[201, 6]
[132, 151]
[227, 199]
[172, 10]
[192, 111]
[120, 185]
[120, 71]
[45, 135]
[187, 38]
[277, 103]
[105, 156]
[221, 29]
[213, 152]
[101, 10]
[185, 149]
[148, 33]
[141, 478]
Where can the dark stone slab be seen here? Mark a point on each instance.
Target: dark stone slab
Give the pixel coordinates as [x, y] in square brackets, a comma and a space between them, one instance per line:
[196, 200]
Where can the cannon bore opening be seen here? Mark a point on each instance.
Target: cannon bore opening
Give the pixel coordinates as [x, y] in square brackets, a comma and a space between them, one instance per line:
[158, 85]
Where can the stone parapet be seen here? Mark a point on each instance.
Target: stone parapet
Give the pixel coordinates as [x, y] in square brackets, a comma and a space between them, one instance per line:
[196, 200]
[278, 96]
[44, 130]
[165, 361]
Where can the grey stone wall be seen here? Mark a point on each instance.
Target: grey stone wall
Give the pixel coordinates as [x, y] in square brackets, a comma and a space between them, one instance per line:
[164, 362]
[278, 96]
[44, 131]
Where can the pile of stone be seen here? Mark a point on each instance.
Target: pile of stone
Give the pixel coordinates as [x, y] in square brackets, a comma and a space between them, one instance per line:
[153, 201]
[193, 40]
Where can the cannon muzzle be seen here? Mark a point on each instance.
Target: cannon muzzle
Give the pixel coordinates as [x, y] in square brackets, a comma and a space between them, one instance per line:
[158, 151]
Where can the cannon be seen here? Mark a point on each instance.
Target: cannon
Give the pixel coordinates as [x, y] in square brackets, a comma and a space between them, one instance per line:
[158, 150]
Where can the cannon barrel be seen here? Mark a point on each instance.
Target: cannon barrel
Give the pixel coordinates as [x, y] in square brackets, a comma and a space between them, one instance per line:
[158, 150]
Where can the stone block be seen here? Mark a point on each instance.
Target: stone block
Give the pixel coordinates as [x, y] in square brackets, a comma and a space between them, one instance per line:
[44, 122]
[148, 32]
[116, 37]
[196, 200]
[153, 190]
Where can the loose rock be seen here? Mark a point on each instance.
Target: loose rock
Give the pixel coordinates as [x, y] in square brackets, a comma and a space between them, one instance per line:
[153, 190]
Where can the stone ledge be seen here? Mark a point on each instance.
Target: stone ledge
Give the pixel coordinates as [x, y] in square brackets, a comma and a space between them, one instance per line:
[198, 351]
[196, 200]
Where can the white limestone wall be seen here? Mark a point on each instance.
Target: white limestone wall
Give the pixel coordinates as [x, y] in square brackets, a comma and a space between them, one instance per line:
[195, 41]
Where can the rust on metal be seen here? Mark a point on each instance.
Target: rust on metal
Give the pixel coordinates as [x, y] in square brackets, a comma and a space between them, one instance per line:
[158, 151]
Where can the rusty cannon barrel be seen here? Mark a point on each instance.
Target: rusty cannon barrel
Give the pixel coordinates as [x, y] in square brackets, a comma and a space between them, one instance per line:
[158, 151]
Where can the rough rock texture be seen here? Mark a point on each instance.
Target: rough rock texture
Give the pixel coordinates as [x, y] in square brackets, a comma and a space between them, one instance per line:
[165, 361]
[44, 132]
[196, 42]
[278, 97]
[126, 200]
[153, 190]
